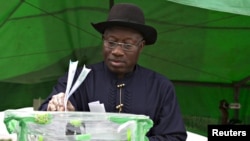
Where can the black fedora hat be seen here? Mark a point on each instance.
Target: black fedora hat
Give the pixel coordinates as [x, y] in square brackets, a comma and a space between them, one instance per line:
[128, 15]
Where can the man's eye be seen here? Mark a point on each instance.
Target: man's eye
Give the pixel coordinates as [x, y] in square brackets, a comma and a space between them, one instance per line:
[112, 43]
[127, 46]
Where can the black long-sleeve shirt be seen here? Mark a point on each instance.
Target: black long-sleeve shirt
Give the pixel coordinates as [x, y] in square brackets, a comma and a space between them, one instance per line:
[145, 92]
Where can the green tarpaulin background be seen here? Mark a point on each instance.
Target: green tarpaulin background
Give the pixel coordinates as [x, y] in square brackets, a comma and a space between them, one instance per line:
[203, 47]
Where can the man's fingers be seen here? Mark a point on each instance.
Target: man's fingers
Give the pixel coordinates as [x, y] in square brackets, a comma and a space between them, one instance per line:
[51, 106]
[57, 99]
[70, 107]
[56, 103]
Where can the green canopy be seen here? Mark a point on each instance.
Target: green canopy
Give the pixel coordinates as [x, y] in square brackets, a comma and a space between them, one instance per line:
[39, 37]
[202, 46]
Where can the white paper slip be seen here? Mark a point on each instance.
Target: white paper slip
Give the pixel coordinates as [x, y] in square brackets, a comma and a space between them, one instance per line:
[96, 106]
[71, 73]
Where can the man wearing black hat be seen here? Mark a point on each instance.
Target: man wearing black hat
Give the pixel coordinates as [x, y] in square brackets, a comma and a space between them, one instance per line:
[120, 83]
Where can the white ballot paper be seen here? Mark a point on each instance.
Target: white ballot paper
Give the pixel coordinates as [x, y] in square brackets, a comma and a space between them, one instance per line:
[71, 73]
[96, 106]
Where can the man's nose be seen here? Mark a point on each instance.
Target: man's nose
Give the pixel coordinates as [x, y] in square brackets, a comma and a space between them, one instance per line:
[118, 49]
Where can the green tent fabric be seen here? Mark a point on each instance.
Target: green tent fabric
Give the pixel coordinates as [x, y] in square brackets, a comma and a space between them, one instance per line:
[231, 6]
[202, 47]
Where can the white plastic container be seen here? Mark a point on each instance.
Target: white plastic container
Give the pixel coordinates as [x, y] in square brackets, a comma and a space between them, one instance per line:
[77, 126]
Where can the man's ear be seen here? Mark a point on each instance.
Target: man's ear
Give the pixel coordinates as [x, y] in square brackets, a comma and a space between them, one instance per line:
[142, 45]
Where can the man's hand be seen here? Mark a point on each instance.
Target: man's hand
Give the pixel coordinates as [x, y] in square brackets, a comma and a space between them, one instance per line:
[57, 103]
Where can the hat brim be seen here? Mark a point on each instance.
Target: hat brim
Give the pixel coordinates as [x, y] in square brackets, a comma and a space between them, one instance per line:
[148, 32]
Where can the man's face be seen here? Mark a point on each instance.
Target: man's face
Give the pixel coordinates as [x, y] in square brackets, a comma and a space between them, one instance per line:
[121, 49]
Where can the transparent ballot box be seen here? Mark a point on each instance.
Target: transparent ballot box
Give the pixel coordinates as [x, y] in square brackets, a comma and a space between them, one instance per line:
[76, 126]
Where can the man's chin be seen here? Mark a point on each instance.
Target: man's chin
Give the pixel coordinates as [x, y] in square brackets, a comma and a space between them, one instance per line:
[117, 70]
